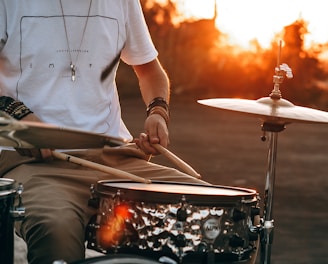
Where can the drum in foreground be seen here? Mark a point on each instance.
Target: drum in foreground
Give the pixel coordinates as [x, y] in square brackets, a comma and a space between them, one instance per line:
[184, 223]
[8, 214]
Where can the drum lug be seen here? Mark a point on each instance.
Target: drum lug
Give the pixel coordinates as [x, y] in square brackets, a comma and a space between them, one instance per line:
[18, 212]
[90, 233]
[264, 228]
[182, 214]
[256, 229]
[94, 200]
[255, 211]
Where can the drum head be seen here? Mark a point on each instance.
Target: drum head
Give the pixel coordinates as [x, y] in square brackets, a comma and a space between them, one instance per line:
[167, 192]
[117, 259]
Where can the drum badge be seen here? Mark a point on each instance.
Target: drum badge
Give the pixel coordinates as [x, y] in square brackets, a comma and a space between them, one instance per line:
[211, 228]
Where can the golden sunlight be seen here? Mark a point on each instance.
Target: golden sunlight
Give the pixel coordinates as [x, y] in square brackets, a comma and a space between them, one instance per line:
[196, 8]
[244, 21]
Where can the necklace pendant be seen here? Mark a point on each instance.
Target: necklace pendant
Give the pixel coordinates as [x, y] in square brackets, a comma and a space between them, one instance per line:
[73, 73]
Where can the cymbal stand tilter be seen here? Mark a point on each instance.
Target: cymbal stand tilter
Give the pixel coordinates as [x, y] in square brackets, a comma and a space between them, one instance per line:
[267, 222]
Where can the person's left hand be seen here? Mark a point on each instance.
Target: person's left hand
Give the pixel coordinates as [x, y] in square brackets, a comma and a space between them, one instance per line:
[38, 154]
[156, 132]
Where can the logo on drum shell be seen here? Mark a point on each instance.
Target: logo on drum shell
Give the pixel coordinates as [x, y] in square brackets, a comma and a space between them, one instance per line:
[211, 228]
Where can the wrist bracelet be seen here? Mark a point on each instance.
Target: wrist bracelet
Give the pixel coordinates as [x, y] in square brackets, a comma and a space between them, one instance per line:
[162, 112]
[14, 108]
[5, 101]
[158, 101]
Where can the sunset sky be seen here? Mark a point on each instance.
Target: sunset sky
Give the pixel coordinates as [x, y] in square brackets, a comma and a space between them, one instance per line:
[261, 19]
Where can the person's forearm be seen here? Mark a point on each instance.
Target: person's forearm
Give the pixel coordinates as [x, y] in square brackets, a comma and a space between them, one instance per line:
[153, 81]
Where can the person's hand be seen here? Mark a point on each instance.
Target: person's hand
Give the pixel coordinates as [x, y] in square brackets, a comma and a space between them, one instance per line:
[156, 132]
[38, 154]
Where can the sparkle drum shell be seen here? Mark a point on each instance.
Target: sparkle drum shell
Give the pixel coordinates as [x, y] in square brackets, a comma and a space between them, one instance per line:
[186, 223]
[7, 197]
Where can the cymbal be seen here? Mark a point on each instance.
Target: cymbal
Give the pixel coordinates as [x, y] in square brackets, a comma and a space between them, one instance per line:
[274, 111]
[25, 134]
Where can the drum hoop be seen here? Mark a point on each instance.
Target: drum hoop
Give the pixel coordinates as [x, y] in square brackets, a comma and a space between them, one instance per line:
[249, 195]
[7, 184]
[117, 258]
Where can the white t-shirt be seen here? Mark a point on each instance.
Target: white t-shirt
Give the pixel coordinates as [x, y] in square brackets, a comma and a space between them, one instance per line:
[35, 58]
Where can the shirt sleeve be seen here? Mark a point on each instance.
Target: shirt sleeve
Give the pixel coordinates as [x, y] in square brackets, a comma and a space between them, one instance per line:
[138, 48]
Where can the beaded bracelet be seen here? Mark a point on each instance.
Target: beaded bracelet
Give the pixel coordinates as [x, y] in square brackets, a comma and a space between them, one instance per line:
[14, 108]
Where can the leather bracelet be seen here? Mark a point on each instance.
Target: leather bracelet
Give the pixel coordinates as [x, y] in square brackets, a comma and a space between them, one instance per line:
[158, 101]
[162, 112]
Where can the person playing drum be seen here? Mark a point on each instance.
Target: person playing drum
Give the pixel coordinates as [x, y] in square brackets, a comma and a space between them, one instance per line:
[58, 62]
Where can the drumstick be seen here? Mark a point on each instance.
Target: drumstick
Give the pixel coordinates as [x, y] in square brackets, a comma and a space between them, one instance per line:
[100, 167]
[177, 161]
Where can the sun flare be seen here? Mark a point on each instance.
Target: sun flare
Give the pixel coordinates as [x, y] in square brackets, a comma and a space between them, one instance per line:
[196, 8]
[244, 21]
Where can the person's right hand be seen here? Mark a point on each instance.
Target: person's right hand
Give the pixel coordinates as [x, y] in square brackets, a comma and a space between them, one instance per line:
[156, 132]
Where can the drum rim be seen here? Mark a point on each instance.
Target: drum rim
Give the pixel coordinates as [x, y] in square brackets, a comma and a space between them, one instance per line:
[8, 186]
[248, 195]
[120, 256]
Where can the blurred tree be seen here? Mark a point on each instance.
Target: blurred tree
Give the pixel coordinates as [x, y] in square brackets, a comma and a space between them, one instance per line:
[201, 64]
[184, 47]
[306, 66]
[159, 18]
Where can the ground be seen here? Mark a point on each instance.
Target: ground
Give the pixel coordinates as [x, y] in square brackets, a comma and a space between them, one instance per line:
[226, 149]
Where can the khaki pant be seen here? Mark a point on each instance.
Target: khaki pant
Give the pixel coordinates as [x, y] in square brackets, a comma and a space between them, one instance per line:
[56, 194]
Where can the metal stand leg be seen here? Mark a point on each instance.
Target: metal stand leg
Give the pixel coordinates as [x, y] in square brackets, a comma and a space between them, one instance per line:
[267, 221]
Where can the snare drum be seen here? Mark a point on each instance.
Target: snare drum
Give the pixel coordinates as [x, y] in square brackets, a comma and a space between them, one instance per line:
[186, 223]
[7, 217]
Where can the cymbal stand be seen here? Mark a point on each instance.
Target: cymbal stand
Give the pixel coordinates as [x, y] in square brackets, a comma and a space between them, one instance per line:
[267, 225]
